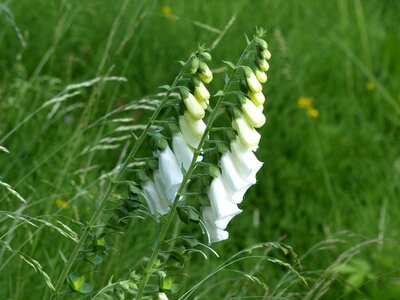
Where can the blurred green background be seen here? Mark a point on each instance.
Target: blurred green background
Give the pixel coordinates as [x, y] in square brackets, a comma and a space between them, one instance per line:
[330, 147]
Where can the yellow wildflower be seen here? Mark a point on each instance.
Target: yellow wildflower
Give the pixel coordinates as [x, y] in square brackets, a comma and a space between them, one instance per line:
[370, 86]
[61, 203]
[167, 11]
[313, 112]
[304, 102]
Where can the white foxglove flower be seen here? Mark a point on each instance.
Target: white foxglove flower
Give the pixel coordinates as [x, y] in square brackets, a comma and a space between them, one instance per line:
[214, 233]
[257, 98]
[260, 107]
[221, 203]
[170, 173]
[193, 106]
[248, 136]
[156, 204]
[254, 116]
[245, 161]
[261, 75]
[205, 73]
[197, 126]
[183, 153]
[187, 133]
[200, 92]
[252, 81]
[235, 181]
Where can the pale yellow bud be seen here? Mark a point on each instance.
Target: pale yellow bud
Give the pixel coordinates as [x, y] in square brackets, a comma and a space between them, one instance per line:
[257, 98]
[205, 73]
[194, 107]
[261, 75]
[201, 93]
[253, 115]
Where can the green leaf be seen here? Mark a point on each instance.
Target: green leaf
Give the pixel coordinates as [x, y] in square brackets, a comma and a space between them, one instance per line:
[230, 64]
[219, 93]
[247, 39]
[78, 284]
[165, 87]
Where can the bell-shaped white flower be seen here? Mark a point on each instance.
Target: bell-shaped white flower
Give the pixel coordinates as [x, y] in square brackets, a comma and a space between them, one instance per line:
[193, 106]
[234, 180]
[257, 98]
[214, 233]
[248, 136]
[252, 81]
[197, 126]
[254, 116]
[200, 92]
[205, 73]
[170, 173]
[156, 204]
[183, 152]
[261, 75]
[245, 161]
[221, 203]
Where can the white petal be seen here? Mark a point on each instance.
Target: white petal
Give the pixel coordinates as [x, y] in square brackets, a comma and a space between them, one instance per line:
[248, 136]
[183, 153]
[170, 172]
[187, 133]
[234, 180]
[156, 205]
[257, 98]
[245, 161]
[214, 234]
[261, 75]
[197, 126]
[201, 93]
[221, 203]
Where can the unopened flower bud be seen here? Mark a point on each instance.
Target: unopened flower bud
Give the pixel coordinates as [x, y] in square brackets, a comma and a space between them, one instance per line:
[262, 64]
[257, 98]
[200, 91]
[192, 105]
[194, 65]
[205, 73]
[252, 81]
[261, 75]
[265, 54]
[262, 44]
[253, 115]
[248, 136]
[205, 55]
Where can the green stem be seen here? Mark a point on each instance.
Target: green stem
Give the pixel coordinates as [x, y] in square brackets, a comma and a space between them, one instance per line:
[164, 229]
[113, 183]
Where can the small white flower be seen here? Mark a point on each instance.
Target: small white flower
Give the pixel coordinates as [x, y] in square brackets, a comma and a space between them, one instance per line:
[201, 93]
[245, 161]
[257, 98]
[253, 115]
[183, 153]
[214, 234]
[221, 203]
[261, 75]
[193, 106]
[235, 181]
[170, 173]
[252, 81]
[248, 136]
[156, 205]
[205, 73]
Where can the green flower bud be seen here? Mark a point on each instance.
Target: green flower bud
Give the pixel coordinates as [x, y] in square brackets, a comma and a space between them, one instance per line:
[247, 135]
[205, 73]
[194, 65]
[262, 44]
[205, 55]
[252, 81]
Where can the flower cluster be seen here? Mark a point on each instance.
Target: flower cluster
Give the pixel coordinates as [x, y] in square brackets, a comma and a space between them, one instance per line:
[160, 192]
[239, 165]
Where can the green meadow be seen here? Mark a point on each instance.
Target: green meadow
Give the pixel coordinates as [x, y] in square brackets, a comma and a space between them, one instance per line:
[78, 80]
